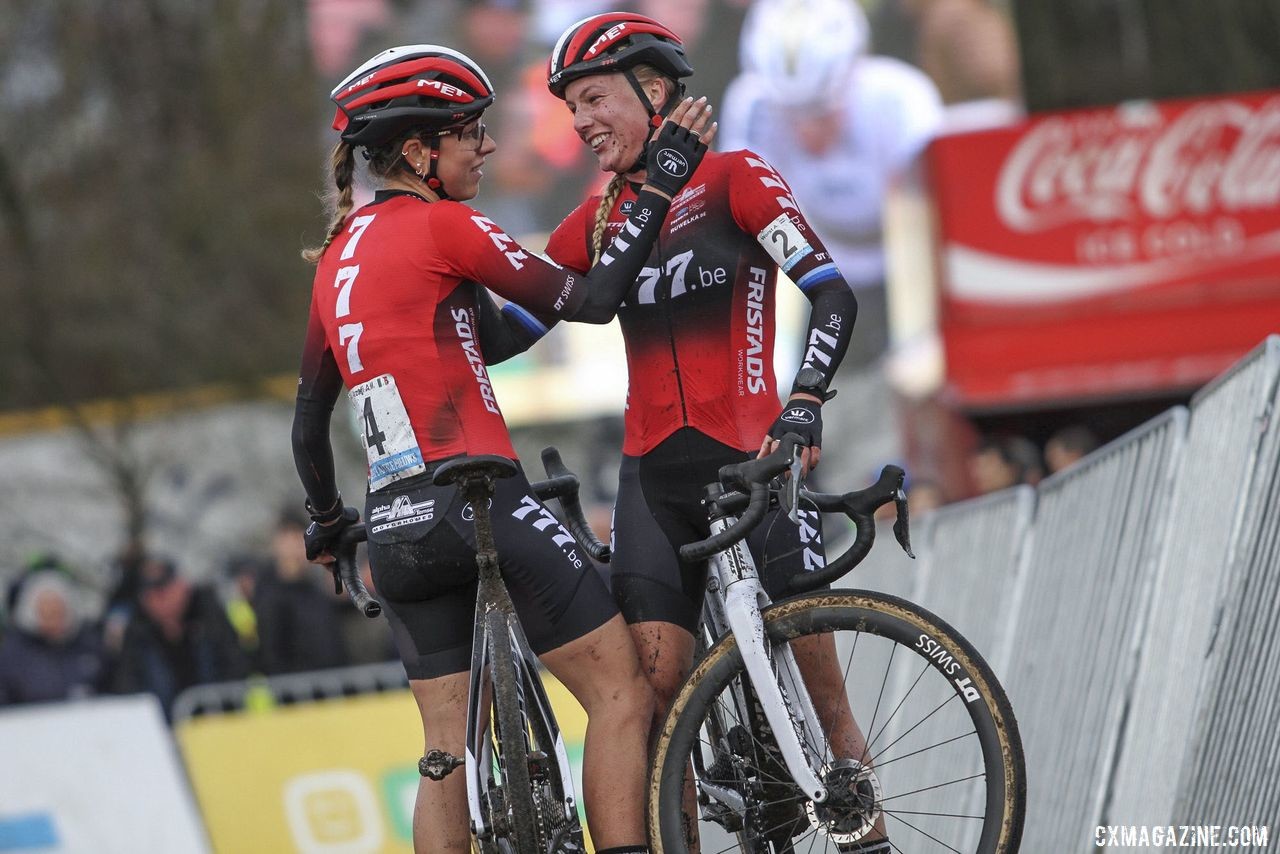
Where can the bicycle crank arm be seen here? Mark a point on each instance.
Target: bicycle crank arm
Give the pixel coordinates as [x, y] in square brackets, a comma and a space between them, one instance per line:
[748, 630]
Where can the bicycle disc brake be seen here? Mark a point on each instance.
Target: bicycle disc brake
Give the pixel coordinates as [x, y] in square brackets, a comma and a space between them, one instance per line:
[852, 805]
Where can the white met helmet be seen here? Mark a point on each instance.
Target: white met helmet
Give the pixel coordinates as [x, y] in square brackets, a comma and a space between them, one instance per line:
[803, 49]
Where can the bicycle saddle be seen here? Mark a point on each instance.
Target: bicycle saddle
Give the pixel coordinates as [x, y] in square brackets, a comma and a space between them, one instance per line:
[463, 467]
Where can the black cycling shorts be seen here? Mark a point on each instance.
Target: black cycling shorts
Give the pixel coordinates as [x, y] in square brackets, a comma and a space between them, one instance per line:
[423, 559]
[659, 509]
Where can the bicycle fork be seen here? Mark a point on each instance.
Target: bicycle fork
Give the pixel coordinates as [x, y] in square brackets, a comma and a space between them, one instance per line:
[737, 609]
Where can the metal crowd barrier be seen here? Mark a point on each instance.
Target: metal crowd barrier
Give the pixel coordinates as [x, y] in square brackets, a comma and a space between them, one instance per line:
[970, 558]
[222, 697]
[1192, 639]
[1140, 601]
[1232, 771]
[1089, 562]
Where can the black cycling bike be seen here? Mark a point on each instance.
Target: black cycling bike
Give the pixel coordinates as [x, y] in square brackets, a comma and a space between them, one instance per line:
[519, 786]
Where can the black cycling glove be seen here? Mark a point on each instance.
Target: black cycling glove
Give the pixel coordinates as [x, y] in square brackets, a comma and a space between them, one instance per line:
[673, 156]
[321, 538]
[802, 417]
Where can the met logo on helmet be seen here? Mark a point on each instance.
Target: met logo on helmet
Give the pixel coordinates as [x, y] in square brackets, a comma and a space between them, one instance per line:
[673, 163]
[446, 90]
[606, 38]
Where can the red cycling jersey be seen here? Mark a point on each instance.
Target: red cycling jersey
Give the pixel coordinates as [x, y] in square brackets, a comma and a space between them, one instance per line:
[394, 310]
[699, 321]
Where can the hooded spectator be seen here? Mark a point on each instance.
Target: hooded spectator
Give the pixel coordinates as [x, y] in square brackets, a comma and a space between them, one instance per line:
[48, 653]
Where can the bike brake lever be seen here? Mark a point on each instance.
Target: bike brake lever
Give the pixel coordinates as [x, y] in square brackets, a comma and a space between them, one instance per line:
[901, 525]
[791, 494]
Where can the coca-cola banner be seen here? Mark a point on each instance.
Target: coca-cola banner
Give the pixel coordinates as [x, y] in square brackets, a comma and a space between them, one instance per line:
[1107, 252]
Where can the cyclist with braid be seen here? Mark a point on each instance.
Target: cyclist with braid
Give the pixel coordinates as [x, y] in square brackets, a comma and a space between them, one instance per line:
[698, 324]
[400, 314]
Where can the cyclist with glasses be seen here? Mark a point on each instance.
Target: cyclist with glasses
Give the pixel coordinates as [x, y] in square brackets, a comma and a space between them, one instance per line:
[400, 315]
[698, 325]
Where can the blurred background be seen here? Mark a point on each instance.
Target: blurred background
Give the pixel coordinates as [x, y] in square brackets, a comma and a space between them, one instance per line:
[1064, 219]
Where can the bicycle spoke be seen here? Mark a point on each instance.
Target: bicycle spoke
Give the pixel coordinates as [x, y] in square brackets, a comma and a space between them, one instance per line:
[923, 833]
[896, 708]
[872, 728]
[886, 762]
[935, 814]
[931, 788]
[918, 723]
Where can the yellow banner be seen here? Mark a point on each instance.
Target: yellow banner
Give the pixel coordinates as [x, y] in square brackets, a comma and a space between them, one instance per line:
[333, 775]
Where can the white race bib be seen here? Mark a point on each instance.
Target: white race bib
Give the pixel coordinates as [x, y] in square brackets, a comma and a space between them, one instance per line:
[385, 430]
[784, 242]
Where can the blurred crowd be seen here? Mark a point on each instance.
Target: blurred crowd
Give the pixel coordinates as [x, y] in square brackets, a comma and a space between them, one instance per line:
[1003, 460]
[159, 632]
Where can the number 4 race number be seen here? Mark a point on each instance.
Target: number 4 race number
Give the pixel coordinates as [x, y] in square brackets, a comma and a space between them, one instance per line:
[390, 445]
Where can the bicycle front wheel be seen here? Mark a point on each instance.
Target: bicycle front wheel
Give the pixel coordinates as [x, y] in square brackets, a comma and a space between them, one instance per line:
[941, 743]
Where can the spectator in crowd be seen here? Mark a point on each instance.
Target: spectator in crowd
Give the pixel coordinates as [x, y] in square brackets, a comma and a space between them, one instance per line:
[178, 637]
[924, 496]
[969, 50]
[48, 653]
[242, 574]
[298, 625]
[999, 463]
[123, 599]
[841, 125]
[1068, 445]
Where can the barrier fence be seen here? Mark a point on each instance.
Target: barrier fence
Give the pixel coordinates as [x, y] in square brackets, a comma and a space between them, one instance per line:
[1131, 606]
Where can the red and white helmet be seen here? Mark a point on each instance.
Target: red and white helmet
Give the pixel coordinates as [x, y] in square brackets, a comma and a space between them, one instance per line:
[803, 49]
[420, 85]
[616, 41]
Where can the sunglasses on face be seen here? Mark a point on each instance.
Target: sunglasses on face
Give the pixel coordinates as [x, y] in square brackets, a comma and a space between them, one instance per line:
[470, 137]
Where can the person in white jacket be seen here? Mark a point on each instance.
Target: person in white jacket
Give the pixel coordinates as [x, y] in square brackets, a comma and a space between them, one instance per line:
[840, 124]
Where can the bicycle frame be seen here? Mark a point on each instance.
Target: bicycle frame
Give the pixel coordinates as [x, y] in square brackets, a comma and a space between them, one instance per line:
[496, 622]
[734, 600]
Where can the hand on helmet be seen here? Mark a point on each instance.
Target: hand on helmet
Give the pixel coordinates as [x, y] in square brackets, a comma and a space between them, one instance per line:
[677, 146]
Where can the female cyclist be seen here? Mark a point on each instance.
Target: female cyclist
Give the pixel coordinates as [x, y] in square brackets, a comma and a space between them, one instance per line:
[399, 315]
[698, 324]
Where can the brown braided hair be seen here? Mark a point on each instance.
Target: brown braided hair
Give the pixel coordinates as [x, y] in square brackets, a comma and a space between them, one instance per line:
[643, 73]
[343, 162]
[384, 161]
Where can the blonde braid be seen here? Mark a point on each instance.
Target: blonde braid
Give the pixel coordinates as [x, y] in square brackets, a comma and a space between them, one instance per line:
[343, 162]
[610, 196]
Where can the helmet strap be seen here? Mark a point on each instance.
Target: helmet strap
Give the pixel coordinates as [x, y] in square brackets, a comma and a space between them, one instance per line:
[655, 116]
[433, 181]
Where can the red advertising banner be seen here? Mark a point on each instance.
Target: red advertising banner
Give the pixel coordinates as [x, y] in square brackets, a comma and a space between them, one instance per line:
[1108, 252]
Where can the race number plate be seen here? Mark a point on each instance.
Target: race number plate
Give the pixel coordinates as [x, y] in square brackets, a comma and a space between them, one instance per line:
[386, 432]
[784, 242]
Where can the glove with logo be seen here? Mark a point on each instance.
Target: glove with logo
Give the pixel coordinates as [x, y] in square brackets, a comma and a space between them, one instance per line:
[321, 536]
[673, 155]
[802, 417]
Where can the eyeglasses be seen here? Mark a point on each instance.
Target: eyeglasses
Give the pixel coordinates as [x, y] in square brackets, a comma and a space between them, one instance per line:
[470, 138]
